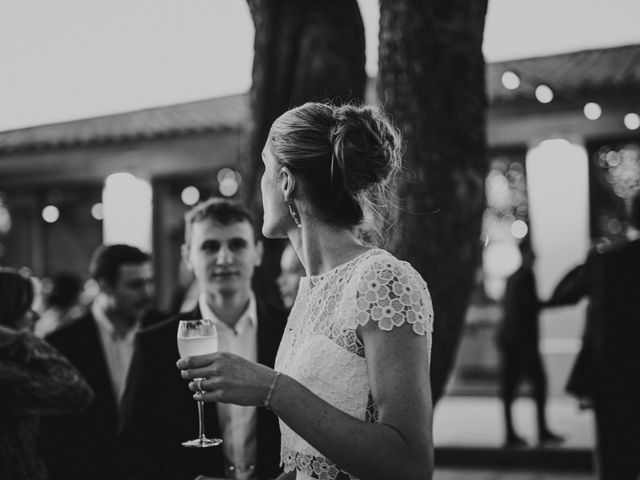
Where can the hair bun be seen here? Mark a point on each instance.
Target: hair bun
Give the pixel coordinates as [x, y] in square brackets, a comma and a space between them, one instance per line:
[366, 147]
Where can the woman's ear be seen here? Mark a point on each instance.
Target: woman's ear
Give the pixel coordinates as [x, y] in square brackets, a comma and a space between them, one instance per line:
[288, 183]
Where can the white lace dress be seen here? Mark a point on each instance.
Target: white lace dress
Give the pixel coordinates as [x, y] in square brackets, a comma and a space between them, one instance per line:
[322, 350]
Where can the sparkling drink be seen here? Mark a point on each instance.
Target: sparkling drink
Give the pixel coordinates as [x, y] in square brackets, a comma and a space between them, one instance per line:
[192, 346]
[198, 337]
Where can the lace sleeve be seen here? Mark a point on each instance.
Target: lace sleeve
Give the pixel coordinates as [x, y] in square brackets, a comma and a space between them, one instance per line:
[391, 292]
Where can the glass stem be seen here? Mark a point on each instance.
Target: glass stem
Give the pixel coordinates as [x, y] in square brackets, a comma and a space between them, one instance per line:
[201, 420]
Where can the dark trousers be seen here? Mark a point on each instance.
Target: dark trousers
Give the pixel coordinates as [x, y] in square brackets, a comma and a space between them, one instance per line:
[617, 436]
[518, 365]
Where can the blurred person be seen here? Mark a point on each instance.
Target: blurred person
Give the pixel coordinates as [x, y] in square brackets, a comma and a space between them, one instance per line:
[606, 370]
[35, 381]
[100, 344]
[351, 380]
[222, 249]
[185, 295]
[62, 303]
[520, 359]
[291, 269]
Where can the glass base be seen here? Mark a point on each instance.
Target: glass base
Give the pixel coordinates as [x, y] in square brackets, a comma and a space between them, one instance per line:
[202, 442]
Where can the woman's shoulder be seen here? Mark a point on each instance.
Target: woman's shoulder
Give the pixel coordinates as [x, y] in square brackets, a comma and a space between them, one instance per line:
[384, 265]
[391, 292]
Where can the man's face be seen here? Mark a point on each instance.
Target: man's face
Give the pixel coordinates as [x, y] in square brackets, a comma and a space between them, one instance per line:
[133, 291]
[223, 257]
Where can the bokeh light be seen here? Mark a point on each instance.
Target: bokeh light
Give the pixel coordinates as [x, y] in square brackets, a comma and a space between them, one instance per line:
[510, 80]
[632, 121]
[228, 181]
[519, 229]
[97, 211]
[544, 94]
[226, 173]
[190, 195]
[228, 187]
[50, 214]
[501, 259]
[592, 111]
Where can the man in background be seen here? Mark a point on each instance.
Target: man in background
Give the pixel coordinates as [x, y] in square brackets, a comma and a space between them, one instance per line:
[606, 372]
[222, 250]
[100, 345]
[520, 359]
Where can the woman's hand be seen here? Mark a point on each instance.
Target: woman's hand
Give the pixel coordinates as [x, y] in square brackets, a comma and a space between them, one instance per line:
[228, 378]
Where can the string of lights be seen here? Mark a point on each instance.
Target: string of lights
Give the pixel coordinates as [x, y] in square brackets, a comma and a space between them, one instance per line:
[543, 93]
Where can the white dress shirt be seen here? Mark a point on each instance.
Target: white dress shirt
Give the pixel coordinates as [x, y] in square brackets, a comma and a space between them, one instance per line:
[118, 348]
[238, 424]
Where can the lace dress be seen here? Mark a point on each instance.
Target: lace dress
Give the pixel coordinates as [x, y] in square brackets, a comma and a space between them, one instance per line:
[322, 350]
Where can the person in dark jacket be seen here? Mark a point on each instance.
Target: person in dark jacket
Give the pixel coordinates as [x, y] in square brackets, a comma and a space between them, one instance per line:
[222, 250]
[35, 381]
[520, 358]
[100, 345]
[606, 370]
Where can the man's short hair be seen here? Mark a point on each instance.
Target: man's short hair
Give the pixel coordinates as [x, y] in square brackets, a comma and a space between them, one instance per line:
[107, 260]
[221, 210]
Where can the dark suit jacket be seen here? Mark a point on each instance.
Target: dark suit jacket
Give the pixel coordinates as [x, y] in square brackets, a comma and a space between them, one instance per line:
[615, 302]
[158, 411]
[610, 278]
[79, 446]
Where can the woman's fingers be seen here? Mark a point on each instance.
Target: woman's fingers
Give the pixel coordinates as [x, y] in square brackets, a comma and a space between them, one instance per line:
[199, 372]
[215, 396]
[196, 362]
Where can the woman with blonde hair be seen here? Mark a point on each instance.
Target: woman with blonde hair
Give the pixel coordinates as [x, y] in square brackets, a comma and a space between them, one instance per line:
[351, 380]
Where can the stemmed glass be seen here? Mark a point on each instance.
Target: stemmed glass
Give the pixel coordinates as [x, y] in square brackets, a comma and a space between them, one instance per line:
[198, 337]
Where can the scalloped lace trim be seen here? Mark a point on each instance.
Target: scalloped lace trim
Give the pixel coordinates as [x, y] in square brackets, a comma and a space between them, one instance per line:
[312, 466]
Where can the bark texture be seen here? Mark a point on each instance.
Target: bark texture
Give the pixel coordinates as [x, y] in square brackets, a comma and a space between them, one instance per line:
[304, 50]
[431, 81]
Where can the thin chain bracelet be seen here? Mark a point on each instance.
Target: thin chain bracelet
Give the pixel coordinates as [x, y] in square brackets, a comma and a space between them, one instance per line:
[267, 401]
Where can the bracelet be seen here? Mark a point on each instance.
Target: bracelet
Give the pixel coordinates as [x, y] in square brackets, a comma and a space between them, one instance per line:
[267, 401]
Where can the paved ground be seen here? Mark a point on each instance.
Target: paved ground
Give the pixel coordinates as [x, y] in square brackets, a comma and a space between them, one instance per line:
[469, 474]
[469, 425]
[477, 422]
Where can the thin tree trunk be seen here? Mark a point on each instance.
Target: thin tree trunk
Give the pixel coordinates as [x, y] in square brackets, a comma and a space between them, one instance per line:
[304, 50]
[432, 83]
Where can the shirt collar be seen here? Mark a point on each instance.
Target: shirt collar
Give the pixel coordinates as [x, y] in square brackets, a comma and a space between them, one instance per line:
[248, 319]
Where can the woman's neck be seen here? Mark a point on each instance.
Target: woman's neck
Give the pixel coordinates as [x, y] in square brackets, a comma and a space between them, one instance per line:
[322, 247]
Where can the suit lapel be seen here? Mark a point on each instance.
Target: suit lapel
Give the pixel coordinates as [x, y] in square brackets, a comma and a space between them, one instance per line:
[97, 361]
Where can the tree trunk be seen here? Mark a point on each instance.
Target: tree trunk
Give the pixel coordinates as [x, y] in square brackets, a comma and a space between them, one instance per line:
[304, 50]
[431, 81]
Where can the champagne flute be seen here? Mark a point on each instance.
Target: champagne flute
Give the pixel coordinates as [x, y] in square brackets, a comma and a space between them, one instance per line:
[198, 337]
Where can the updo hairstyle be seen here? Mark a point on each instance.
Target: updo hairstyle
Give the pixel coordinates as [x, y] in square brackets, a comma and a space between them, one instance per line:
[16, 297]
[345, 156]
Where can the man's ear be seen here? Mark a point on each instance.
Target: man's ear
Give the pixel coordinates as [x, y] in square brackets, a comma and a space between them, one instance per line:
[288, 183]
[184, 251]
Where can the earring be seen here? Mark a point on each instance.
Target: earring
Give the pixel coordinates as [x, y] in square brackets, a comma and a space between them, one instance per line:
[294, 214]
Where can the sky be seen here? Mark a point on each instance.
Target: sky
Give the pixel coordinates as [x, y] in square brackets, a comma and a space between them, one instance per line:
[68, 59]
